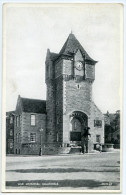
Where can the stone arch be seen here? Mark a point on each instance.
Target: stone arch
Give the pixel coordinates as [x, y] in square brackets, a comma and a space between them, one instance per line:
[81, 120]
[80, 111]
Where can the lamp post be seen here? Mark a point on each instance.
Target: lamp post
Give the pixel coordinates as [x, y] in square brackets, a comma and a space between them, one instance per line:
[41, 131]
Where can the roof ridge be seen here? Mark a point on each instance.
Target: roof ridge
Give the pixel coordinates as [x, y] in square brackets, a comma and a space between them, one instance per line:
[32, 99]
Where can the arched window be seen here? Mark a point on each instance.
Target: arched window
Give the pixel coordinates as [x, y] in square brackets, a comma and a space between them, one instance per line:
[75, 125]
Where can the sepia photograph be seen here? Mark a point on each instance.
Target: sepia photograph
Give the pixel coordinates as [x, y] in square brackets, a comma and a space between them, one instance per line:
[62, 97]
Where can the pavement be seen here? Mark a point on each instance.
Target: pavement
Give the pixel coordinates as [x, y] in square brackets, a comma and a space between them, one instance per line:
[98, 171]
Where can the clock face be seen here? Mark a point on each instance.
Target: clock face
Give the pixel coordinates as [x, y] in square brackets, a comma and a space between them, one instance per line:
[79, 65]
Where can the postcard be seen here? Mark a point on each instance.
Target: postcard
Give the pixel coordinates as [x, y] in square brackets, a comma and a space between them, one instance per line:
[62, 97]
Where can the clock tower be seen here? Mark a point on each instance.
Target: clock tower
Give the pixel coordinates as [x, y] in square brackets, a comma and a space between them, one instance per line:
[72, 116]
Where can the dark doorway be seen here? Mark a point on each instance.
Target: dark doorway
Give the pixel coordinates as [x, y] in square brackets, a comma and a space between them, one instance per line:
[79, 122]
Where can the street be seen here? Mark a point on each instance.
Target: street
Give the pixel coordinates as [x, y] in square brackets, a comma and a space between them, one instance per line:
[100, 171]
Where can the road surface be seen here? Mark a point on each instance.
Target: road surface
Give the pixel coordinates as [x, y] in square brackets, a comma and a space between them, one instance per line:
[99, 171]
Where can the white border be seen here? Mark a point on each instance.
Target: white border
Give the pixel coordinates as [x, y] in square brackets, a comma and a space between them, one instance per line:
[124, 81]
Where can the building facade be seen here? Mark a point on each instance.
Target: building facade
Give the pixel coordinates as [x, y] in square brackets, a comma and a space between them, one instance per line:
[69, 117]
[10, 132]
[112, 128]
[70, 109]
[29, 126]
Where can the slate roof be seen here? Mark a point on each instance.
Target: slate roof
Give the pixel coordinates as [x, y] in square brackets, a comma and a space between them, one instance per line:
[70, 47]
[53, 56]
[33, 105]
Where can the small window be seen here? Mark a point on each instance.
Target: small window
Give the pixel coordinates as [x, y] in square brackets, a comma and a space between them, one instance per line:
[11, 120]
[98, 138]
[11, 132]
[19, 137]
[32, 120]
[57, 138]
[57, 120]
[48, 71]
[97, 123]
[19, 120]
[16, 121]
[11, 145]
[78, 86]
[32, 137]
[16, 137]
[75, 125]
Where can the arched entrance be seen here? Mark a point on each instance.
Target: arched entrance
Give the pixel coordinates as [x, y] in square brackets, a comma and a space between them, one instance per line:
[79, 124]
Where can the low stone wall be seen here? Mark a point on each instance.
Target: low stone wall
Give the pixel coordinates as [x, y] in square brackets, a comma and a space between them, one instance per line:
[117, 146]
[51, 150]
[48, 149]
[75, 150]
[30, 149]
[107, 148]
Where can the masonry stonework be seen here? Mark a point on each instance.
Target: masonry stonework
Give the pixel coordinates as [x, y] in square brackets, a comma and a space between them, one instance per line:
[72, 73]
[69, 119]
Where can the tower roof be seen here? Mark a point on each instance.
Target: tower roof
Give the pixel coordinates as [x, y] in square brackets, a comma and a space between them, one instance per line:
[71, 46]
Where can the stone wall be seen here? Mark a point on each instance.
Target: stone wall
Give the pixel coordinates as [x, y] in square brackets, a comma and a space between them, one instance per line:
[9, 134]
[68, 91]
[90, 71]
[59, 109]
[51, 112]
[78, 96]
[30, 149]
[81, 100]
[17, 128]
[40, 123]
[96, 114]
[23, 144]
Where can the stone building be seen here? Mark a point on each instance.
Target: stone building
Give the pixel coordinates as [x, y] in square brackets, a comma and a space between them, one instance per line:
[69, 117]
[30, 119]
[112, 128]
[70, 109]
[10, 132]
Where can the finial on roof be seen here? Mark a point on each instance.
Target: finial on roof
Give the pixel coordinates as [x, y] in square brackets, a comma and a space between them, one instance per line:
[71, 32]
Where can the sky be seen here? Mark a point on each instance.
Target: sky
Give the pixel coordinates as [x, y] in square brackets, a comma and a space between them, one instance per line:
[29, 30]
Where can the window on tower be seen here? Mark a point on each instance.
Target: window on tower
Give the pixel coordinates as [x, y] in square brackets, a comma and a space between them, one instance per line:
[16, 121]
[19, 120]
[48, 71]
[75, 125]
[57, 137]
[57, 120]
[97, 123]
